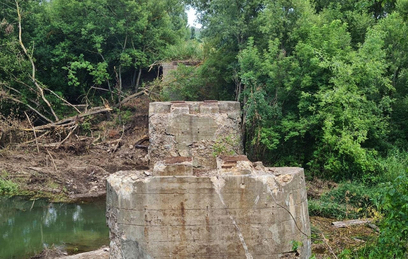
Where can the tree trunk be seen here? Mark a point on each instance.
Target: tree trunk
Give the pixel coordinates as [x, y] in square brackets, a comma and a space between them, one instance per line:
[138, 80]
[133, 83]
[243, 128]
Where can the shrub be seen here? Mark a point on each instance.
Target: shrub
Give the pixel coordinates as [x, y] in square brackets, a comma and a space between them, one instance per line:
[391, 166]
[393, 203]
[7, 187]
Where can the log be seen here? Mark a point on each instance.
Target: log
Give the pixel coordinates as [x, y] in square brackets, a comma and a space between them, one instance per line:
[348, 223]
[71, 120]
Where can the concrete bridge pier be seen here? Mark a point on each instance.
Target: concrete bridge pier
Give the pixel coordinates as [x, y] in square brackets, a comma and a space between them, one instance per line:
[201, 197]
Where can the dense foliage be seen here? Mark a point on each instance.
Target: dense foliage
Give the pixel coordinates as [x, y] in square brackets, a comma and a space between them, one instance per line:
[323, 84]
[81, 50]
[393, 239]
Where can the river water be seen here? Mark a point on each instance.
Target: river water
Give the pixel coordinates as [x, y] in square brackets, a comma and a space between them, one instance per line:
[27, 227]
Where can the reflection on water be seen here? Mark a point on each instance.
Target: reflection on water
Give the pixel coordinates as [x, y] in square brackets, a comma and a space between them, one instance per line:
[27, 227]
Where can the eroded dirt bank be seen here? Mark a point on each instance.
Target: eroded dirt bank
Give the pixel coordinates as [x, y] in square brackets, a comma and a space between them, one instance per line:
[75, 168]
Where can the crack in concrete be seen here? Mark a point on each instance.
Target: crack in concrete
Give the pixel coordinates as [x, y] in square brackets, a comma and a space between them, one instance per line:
[219, 183]
[273, 193]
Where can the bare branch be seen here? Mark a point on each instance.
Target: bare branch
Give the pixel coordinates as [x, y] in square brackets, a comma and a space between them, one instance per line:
[7, 96]
[145, 91]
[72, 120]
[39, 88]
[62, 99]
[35, 134]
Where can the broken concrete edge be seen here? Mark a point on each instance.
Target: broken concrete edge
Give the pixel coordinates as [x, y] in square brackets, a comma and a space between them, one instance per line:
[283, 175]
[124, 183]
[195, 107]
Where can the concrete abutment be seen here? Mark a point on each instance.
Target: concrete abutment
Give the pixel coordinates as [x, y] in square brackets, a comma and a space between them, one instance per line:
[196, 203]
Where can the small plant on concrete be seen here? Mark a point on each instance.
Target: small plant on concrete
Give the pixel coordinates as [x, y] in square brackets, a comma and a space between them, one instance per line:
[295, 246]
[224, 146]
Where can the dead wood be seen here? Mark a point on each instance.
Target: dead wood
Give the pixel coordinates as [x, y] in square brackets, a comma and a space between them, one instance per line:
[118, 141]
[35, 134]
[7, 96]
[140, 141]
[53, 162]
[327, 244]
[372, 226]
[35, 139]
[348, 223]
[69, 134]
[72, 120]
[130, 97]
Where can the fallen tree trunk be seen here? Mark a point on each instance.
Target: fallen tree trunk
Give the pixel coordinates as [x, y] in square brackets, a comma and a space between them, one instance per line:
[71, 120]
[145, 91]
[348, 223]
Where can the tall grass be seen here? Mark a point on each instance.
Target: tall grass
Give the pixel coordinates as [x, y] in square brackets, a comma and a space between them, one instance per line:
[392, 166]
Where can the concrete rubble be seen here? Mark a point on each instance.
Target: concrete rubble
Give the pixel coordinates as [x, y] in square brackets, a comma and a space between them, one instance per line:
[202, 198]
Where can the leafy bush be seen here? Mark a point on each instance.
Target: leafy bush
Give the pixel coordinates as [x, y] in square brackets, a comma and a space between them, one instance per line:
[190, 49]
[390, 167]
[184, 85]
[355, 194]
[393, 202]
[224, 146]
[7, 187]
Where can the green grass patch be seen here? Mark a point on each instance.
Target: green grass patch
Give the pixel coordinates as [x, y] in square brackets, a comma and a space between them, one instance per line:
[8, 187]
[347, 201]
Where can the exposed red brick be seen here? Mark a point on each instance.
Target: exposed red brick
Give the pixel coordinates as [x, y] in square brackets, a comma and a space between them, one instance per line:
[179, 159]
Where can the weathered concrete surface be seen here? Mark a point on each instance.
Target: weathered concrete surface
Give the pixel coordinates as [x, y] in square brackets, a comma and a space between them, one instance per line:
[254, 215]
[190, 129]
[194, 204]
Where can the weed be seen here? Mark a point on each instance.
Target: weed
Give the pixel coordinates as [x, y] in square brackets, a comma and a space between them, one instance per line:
[224, 146]
[4, 174]
[296, 245]
[393, 203]
[86, 126]
[124, 117]
[8, 187]
[52, 185]
[315, 235]
[348, 200]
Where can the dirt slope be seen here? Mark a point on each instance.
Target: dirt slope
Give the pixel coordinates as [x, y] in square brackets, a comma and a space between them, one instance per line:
[77, 167]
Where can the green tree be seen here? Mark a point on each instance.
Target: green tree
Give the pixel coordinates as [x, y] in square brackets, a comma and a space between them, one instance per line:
[314, 100]
[84, 49]
[109, 41]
